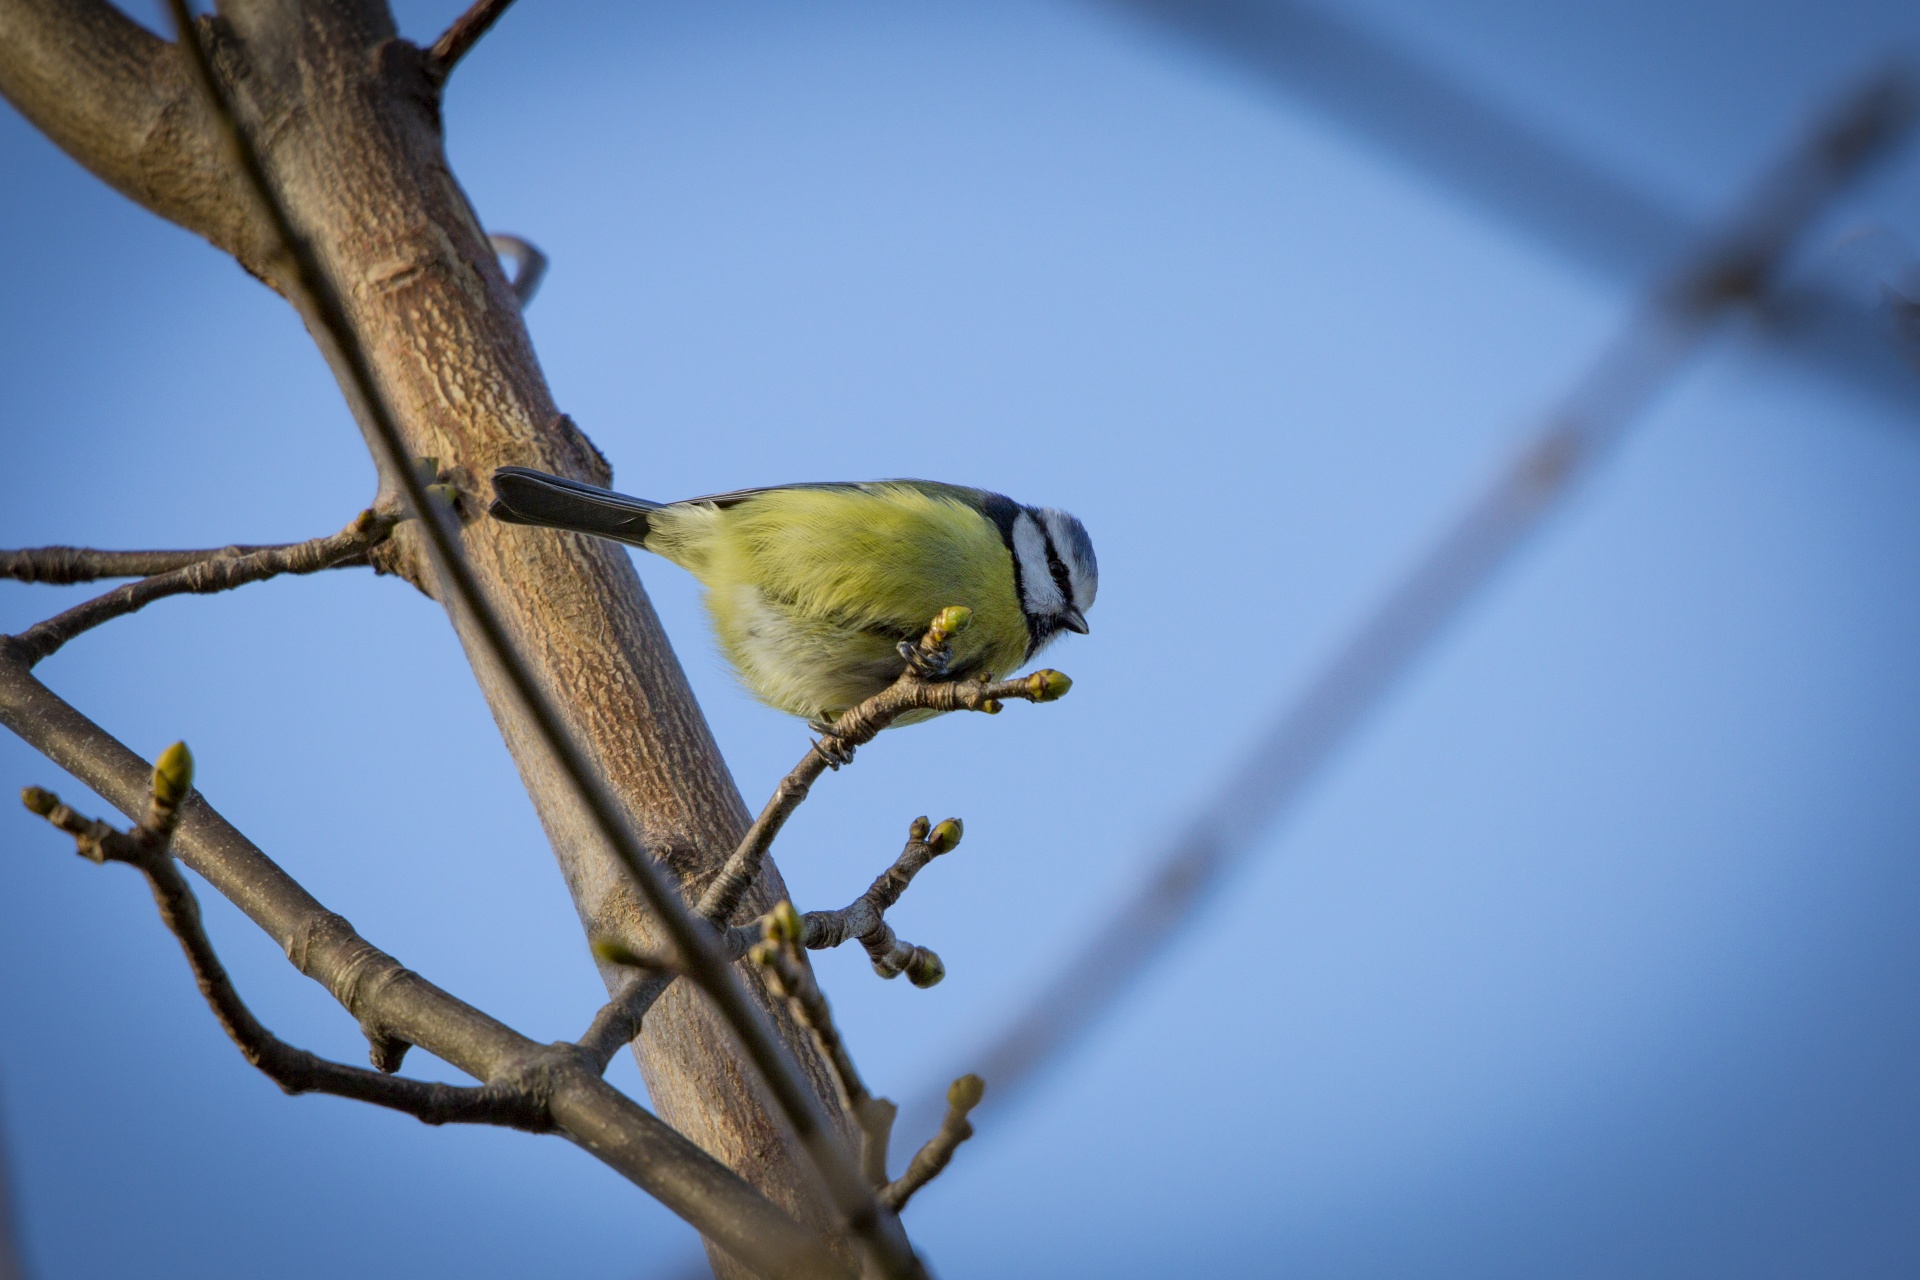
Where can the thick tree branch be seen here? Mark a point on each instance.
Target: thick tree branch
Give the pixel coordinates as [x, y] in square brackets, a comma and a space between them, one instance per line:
[458, 40]
[219, 571]
[876, 1232]
[391, 1001]
[917, 689]
[117, 98]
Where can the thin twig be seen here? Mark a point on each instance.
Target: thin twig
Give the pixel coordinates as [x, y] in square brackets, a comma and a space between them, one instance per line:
[1734, 267]
[876, 1233]
[59, 566]
[864, 919]
[789, 975]
[856, 727]
[617, 1024]
[963, 1095]
[529, 265]
[295, 1070]
[219, 571]
[457, 40]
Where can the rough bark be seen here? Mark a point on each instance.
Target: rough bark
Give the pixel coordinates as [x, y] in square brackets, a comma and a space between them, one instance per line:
[349, 123]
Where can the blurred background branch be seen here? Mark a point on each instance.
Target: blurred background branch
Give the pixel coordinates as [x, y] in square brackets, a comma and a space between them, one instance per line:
[1735, 268]
[1336, 67]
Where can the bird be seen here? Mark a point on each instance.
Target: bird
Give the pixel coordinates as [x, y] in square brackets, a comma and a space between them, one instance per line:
[818, 591]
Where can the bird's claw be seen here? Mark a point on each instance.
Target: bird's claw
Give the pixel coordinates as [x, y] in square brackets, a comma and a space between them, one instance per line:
[928, 665]
[831, 749]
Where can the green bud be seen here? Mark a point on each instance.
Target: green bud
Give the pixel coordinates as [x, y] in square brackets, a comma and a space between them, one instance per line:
[614, 951]
[445, 495]
[945, 837]
[991, 706]
[918, 829]
[783, 923]
[173, 774]
[951, 621]
[965, 1093]
[1048, 685]
[39, 800]
[426, 470]
[926, 969]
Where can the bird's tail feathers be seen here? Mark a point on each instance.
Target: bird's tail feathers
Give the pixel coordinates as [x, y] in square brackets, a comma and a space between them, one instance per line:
[525, 496]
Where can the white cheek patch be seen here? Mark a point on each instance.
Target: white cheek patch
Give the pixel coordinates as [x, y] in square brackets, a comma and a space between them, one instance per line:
[1076, 552]
[1040, 594]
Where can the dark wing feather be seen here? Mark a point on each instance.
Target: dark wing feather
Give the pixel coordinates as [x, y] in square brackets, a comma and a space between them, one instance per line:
[525, 496]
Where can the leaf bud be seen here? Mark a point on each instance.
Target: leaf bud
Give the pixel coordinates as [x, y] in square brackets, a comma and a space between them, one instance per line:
[918, 829]
[39, 800]
[945, 837]
[925, 969]
[951, 621]
[965, 1093]
[1048, 685]
[783, 923]
[173, 774]
[614, 951]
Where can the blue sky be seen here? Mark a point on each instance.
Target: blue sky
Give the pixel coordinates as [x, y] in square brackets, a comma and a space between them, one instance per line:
[1592, 956]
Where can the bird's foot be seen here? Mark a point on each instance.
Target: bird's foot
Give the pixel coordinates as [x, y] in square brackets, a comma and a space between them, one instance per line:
[928, 664]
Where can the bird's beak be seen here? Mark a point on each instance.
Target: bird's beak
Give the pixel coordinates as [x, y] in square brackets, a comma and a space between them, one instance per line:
[1074, 621]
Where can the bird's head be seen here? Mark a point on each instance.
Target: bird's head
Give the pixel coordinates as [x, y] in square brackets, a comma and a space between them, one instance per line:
[1058, 574]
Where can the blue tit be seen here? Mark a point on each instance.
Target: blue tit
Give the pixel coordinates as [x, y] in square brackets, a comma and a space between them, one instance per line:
[812, 587]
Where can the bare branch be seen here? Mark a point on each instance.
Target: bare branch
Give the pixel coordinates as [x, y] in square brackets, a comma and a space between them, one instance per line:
[618, 1022]
[457, 40]
[60, 566]
[1732, 268]
[118, 99]
[221, 571]
[529, 265]
[864, 919]
[963, 1095]
[294, 1070]
[779, 955]
[391, 1001]
[919, 688]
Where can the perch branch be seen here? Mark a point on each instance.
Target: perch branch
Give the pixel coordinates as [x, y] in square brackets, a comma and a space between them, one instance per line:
[876, 1233]
[390, 1001]
[857, 726]
[779, 955]
[220, 571]
[963, 1095]
[458, 40]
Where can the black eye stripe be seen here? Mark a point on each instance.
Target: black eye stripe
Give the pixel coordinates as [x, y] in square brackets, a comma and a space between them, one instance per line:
[1055, 565]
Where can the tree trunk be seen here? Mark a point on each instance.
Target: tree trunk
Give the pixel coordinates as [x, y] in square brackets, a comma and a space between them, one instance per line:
[349, 125]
